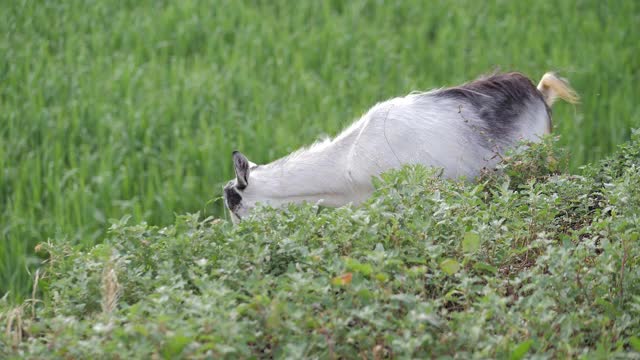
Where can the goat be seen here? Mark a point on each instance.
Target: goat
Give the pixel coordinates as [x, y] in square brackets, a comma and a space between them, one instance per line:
[459, 129]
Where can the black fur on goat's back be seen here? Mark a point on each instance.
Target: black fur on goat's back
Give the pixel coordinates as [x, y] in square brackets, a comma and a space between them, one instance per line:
[499, 99]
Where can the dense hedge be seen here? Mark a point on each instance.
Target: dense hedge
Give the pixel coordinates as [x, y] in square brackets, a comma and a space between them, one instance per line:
[528, 260]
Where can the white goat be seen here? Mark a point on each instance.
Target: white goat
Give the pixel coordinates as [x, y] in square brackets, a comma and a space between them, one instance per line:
[459, 129]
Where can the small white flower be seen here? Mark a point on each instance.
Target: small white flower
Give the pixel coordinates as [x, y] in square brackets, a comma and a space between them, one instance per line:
[201, 262]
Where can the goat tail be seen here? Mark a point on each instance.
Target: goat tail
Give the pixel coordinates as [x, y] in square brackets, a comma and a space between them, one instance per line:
[553, 87]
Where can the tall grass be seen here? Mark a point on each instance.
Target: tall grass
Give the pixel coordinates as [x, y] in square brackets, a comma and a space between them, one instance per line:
[111, 108]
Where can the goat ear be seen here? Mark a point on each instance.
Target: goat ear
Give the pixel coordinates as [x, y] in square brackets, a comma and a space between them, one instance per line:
[241, 164]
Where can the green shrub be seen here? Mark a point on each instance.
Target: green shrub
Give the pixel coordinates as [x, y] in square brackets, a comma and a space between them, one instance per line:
[519, 263]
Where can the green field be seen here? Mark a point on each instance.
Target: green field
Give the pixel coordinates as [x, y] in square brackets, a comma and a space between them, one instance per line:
[132, 108]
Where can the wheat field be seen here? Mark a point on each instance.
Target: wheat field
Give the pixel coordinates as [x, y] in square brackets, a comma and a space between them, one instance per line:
[111, 109]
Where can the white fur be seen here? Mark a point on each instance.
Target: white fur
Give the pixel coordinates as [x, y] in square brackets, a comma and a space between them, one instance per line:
[416, 129]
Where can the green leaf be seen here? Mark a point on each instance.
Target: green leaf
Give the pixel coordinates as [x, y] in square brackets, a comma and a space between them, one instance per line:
[634, 341]
[471, 242]
[480, 266]
[382, 277]
[520, 350]
[450, 266]
[355, 266]
[175, 345]
[608, 307]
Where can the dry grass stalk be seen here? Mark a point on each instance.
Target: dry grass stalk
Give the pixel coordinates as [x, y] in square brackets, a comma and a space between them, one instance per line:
[33, 294]
[110, 289]
[14, 326]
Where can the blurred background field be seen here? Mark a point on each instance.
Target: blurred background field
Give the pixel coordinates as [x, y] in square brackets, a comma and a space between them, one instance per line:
[117, 108]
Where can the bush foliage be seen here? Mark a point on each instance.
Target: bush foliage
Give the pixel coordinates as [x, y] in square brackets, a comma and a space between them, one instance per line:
[527, 261]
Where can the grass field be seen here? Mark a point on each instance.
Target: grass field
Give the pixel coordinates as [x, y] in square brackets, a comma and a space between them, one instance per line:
[133, 108]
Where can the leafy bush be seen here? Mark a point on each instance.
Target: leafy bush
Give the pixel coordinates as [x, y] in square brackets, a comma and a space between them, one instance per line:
[519, 263]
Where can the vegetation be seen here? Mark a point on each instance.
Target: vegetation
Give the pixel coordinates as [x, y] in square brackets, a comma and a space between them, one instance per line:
[112, 108]
[511, 266]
